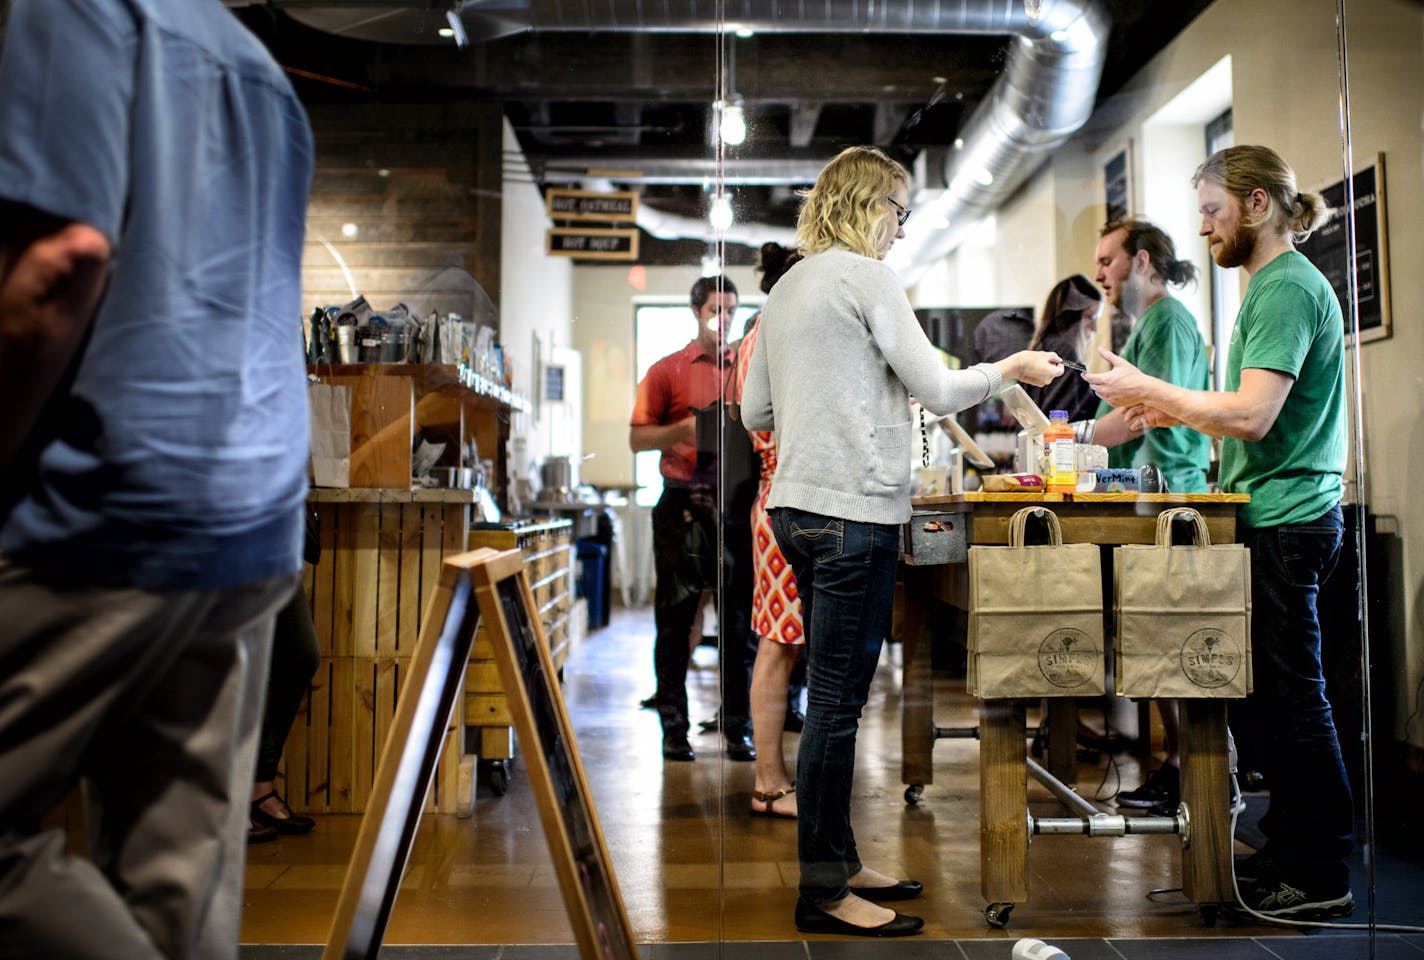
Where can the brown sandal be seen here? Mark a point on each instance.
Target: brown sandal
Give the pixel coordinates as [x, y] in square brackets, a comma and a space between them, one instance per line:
[769, 801]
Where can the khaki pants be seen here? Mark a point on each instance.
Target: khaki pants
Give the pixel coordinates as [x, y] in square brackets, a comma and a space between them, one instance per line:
[155, 700]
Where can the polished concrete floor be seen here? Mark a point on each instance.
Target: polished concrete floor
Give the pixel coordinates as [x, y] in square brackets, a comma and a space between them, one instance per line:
[701, 878]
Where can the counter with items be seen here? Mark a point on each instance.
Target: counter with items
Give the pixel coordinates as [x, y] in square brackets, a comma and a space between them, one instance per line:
[936, 568]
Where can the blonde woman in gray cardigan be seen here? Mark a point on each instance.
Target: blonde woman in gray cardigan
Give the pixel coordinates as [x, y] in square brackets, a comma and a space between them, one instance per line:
[839, 355]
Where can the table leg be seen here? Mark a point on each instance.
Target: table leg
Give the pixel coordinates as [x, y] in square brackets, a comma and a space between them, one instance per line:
[1206, 859]
[1062, 721]
[1003, 803]
[917, 682]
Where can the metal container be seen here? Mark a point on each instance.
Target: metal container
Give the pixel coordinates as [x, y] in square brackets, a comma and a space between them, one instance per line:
[556, 474]
[345, 343]
[383, 344]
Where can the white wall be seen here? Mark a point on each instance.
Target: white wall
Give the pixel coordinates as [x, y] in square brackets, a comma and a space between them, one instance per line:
[536, 295]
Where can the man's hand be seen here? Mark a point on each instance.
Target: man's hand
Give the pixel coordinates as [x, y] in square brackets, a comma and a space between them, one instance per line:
[51, 277]
[1122, 386]
[1140, 417]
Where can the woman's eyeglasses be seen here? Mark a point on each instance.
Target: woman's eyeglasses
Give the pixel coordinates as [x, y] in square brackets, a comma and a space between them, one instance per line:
[901, 213]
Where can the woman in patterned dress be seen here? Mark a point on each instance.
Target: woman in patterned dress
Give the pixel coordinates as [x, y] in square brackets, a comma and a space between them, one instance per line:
[776, 611]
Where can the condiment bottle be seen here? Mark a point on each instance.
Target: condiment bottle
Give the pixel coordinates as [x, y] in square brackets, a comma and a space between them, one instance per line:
[1060, 461]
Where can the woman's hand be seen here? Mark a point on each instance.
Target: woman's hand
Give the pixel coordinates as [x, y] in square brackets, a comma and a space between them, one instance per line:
[1034, 367]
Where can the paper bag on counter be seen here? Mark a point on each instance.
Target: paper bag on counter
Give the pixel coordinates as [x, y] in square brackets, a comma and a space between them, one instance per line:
[1035, 616]
[329, 411]
[1183, 615]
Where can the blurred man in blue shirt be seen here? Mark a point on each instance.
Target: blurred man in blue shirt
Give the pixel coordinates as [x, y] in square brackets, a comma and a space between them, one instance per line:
[154, 169]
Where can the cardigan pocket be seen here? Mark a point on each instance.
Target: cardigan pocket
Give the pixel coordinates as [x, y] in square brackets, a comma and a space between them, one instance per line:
[892, 453]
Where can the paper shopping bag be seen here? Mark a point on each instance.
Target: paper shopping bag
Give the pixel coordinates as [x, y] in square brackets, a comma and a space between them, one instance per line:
[1035, 616]
[329, 411]
[1183, 615]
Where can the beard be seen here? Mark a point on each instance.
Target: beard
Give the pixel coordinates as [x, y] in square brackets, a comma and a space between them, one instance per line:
[1236, 250]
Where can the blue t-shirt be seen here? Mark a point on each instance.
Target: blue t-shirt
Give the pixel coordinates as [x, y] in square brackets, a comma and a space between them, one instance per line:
[177, 458]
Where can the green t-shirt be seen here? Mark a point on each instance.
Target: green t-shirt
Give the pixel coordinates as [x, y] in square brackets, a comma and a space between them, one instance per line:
[1166, 344]
[1290, 321]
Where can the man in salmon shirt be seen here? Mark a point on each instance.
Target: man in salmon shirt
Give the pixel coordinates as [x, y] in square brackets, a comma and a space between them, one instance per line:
[685, 543]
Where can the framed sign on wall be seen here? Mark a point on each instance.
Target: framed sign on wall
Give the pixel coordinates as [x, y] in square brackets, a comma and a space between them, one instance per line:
[1117, 182]
[1327, 249]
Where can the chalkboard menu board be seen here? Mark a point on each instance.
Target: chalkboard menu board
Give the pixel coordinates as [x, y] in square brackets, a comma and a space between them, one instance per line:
[1327, 249]
[493, 588]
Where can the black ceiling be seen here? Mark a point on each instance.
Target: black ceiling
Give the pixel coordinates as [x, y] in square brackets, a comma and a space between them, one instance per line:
[608, 98]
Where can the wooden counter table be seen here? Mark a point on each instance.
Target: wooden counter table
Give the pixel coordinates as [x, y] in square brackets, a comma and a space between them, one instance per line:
[1100, 518]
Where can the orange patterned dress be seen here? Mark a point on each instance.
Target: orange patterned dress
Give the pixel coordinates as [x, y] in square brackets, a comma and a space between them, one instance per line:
[776, 608]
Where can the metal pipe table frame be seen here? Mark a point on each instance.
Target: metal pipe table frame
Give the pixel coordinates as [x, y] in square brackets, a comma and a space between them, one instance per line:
[1004, 825]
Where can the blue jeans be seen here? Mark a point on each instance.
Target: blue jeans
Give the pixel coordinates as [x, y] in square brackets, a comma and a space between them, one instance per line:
[1311, 818]
[845, 575]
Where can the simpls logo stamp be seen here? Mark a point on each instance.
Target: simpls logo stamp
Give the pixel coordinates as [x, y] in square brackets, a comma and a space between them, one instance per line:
[1211, 658]
[1068, 657]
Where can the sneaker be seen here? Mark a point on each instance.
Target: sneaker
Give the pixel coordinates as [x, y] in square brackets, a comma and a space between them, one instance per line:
[1280, 899]
[1162, 789]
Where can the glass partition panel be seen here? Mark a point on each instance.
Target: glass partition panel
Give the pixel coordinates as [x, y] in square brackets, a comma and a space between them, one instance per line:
[1025, 130]
[548, 185]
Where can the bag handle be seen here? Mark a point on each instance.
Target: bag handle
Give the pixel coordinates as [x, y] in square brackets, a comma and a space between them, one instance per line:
[1019, 521]
[1200, 537]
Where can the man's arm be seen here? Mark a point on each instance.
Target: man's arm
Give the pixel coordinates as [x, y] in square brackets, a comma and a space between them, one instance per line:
[1113, 430]
[1247, 413]
[655, 436]
[52, 273]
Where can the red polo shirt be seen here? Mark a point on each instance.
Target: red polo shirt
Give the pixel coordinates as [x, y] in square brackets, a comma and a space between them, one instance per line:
[674, 387]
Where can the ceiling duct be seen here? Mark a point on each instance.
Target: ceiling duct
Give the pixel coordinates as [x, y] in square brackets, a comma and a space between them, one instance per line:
[1045, 93]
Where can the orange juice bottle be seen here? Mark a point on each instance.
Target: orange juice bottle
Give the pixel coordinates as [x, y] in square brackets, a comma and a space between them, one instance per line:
[1059, 457]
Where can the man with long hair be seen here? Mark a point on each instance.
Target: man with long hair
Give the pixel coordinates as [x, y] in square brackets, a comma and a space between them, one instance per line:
[1282, 420]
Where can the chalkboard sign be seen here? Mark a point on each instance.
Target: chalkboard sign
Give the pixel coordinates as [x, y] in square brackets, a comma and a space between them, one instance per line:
[434, 683]
[576, 844]
[1117, 184]
[1326, 248]
[489, 586]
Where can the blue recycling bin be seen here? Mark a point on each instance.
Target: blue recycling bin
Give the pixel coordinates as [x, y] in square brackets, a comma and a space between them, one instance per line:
[593, 580]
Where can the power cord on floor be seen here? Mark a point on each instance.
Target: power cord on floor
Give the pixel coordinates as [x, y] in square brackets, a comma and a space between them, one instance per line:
[1314, 924]
[1283, 921]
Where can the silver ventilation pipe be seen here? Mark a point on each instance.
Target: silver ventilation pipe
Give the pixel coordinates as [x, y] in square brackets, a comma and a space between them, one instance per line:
[1044, 95]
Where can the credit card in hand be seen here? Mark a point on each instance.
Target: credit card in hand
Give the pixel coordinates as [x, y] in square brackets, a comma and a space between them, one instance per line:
[1074, 365]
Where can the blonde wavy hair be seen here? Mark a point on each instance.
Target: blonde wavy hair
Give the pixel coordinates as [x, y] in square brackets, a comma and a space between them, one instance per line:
[846, 206]
[1241, 169]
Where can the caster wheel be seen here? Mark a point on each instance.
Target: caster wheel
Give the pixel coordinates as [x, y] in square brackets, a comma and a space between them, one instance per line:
[1209, 913]
[914, 793]
[499, 777]
[997, 914]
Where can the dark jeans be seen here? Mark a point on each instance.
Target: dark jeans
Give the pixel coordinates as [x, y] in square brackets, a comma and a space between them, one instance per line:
[1310, 821]
[845, 574]
[294, 660]
[686, 556]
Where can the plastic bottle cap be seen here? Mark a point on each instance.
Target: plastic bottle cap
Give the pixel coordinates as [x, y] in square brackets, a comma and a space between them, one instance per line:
[1058, 414]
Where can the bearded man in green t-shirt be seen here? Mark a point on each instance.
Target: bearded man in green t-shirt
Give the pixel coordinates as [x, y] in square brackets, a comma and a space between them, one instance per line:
[1282, 420]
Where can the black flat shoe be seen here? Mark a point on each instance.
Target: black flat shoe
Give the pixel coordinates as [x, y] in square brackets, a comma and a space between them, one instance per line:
[290, 825]
[904, 890]
[676, 747]
[812, 919]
